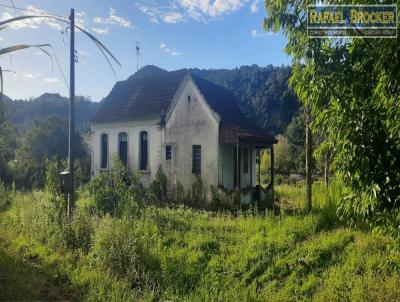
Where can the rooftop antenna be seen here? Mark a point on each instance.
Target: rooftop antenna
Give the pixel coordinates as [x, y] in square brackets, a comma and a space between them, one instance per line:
[137, 55]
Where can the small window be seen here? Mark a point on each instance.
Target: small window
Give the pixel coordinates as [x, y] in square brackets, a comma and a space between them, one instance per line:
[189, 98]
[196, 160]
[143, 162]
[168, 152]
[245, 160]
[104, 151]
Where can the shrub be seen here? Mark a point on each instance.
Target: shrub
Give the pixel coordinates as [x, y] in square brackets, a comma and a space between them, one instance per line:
[177, 194]
[4, 197]
[216, 198]
[116, 190]
[158, 191]
[197, 194]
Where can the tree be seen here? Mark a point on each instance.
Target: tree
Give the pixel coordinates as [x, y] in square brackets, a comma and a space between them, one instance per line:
[263, 93]
[309, 142]
[296, 135]
[352, 89]
[283, 161]
[48, 139]
[8, 145]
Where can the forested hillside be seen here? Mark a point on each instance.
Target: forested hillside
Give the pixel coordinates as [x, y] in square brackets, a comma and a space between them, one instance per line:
[262, 91]
[23, 113]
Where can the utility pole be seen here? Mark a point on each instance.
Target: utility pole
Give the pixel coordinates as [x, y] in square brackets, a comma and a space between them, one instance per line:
[71, 143]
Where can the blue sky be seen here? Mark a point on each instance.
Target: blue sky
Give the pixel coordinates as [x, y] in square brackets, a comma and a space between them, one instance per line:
[173, 34]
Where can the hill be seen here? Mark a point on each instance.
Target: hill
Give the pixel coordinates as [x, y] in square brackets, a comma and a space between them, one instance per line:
[23, 113]
[262, 92]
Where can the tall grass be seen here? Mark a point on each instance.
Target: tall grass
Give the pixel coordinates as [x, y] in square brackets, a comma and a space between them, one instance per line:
[293, 196]
[189, 255]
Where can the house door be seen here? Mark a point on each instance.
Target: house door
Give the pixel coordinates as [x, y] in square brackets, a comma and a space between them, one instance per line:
[236, 170]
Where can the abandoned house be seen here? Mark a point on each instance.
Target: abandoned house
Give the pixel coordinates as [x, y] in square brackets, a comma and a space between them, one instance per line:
[182, 123]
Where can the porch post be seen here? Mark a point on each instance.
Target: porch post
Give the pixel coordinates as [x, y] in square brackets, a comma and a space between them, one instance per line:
[272, 173]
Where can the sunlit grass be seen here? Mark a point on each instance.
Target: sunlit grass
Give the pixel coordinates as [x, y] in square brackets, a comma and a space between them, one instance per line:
[183, 254]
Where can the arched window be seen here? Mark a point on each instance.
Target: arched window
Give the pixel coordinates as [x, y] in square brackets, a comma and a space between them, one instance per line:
[123, 147]
[143, 148]
[104, 151]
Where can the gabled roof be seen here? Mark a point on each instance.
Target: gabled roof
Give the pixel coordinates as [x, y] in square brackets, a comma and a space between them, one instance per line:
[139, 97]
[150, 96]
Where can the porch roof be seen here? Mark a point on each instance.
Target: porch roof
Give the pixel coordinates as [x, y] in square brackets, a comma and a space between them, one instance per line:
[232, 134]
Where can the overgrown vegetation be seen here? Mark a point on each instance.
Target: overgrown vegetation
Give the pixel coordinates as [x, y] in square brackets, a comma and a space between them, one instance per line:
[351, 88]
[113, 253]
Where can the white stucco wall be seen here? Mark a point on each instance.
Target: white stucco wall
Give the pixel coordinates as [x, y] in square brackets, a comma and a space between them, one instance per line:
[191, 123]
[187, 124]
[133, 129]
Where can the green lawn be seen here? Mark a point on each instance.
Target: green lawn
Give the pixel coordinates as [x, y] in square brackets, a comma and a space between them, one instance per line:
[186, 255]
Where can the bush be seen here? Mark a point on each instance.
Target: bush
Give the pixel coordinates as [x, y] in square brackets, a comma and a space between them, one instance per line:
[4, 197]
[116, 190]
[197, 194]
[158, 191]
[177, 194]
[216, 199]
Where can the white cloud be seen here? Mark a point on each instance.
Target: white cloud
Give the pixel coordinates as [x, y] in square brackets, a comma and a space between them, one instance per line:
[1, 38]
[80, 19]
[198, 10]
[36, 22]
[153, 12]
[114, 19]
[257, 34]
[30, 76]
[83, 52]
[170, 50]
[101, 31]
[54, 25]
[254, 6]
[51, 80]
[173, 17]
[209, 7]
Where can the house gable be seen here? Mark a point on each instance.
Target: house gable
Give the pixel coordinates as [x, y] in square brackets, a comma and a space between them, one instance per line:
[196, 95]
[191, 122]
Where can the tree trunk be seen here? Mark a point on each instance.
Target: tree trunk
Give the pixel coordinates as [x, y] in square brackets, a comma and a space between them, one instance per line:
[308, 162]
[326, 169]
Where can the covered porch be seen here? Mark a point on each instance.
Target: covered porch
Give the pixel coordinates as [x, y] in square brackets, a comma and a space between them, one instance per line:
[239, 160]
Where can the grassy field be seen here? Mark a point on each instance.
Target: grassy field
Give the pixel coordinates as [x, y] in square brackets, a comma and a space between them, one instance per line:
[179, 254]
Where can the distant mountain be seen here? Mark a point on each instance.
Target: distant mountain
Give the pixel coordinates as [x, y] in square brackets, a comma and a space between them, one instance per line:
[262, 92]
[148, 70]
[23, 113]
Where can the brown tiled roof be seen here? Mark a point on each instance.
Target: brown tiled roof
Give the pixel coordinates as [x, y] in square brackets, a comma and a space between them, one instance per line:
[151, 96]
